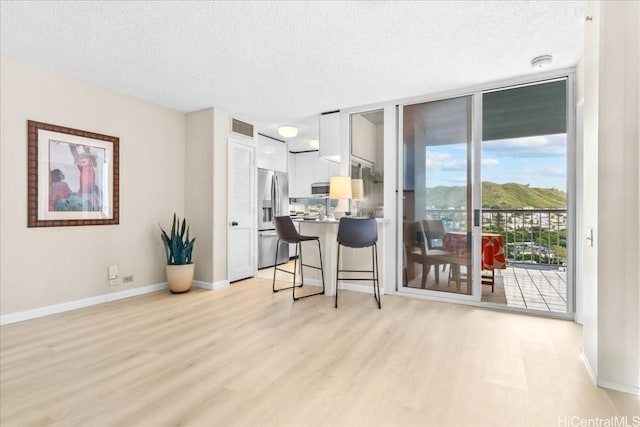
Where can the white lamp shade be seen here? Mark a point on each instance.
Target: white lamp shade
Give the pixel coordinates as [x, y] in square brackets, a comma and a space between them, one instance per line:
[357, 189]
[287, 131]
[340, 187]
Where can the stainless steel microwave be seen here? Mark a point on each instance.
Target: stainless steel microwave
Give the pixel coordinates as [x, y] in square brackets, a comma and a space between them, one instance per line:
[320, 189]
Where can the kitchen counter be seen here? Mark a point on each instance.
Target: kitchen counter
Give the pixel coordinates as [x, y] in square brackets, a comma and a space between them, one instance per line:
[354, 259]
[332, 221]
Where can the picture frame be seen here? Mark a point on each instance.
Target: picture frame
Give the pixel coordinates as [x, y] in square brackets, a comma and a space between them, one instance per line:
[72, 177]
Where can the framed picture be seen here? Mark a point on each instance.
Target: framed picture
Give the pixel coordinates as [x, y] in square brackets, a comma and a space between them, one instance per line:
[73, 177]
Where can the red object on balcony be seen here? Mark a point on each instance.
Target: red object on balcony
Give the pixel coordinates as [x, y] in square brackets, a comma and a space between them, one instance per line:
[493, 252]
[493, 256]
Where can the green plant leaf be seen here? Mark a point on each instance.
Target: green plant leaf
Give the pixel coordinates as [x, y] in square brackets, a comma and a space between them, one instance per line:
[178, 247]
[173, 226]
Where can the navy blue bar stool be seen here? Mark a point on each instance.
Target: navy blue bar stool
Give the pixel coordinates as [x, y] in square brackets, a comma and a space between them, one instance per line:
[287, 233]
[359, 233]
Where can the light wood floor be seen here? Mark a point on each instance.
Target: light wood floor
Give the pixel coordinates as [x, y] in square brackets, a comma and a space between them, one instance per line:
[246, 356]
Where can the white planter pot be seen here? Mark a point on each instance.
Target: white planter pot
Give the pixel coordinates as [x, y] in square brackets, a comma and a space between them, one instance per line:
[180, 277]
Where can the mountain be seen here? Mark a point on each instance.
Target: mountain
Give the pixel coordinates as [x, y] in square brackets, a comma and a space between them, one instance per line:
[498, 196]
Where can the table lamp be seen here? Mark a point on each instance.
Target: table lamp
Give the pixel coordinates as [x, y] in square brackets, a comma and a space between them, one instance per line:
[357, 194]
[340, 188]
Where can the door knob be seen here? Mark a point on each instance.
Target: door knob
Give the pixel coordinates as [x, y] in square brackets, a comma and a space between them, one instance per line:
[234, 223]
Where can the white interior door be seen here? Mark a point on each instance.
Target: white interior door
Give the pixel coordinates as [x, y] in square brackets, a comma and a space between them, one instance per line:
[241, 236]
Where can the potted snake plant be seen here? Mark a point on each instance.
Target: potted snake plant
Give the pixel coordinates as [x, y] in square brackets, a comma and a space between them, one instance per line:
[179, 249]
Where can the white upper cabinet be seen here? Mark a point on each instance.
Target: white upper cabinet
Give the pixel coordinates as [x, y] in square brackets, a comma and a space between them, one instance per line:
[304, 174]
[325, 169]
[306, 168]
[271, 154]
[291, 174]
[363, 138]
[320, 169]
[330, 136]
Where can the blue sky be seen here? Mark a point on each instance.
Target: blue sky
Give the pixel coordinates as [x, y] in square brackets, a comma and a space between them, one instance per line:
[539, 161]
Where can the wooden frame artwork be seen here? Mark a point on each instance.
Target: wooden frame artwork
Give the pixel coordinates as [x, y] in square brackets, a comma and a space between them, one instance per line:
[73, 177]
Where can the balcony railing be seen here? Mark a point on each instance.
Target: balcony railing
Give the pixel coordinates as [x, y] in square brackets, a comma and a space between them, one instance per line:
[531, 236]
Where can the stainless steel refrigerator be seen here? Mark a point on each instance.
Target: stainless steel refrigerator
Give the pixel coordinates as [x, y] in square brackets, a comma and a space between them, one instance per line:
[273, 200]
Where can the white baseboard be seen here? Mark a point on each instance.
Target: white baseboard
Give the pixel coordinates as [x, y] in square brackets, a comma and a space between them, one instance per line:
[312, 282]
[358, 288]
[346, 286]
[590, 370]
[625, 388]
[211, 286]
[86, 302]
[613, 385]
[73, 305]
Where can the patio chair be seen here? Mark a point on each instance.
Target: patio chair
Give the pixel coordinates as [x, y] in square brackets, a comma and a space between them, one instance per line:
[434, 235]
[415, 251]
[438, 252]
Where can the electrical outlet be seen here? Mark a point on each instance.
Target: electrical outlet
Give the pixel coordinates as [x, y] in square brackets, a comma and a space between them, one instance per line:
[115, 282]
[127, 279]
[113, 272]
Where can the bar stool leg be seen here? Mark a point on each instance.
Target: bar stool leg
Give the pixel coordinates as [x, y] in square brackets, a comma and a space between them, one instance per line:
[376, 283]
[337, 274]
[275, 269]
[298, 246]
[302, 265]
[295, 264]
[321, 266]
[275, 263]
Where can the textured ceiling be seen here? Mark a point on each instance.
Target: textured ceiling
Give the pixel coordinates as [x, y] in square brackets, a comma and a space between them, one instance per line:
[285, 62]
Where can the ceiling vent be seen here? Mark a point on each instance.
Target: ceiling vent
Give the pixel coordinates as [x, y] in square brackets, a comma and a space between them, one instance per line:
[242, 128]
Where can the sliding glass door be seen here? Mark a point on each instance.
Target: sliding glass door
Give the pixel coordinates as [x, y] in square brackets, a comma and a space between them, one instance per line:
[525, 189]
[436, 212]
[485, 209]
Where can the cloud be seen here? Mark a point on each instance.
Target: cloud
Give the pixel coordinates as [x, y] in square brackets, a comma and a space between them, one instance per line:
[553, 171]
[534, 146]
[439, 161]
[540, 172]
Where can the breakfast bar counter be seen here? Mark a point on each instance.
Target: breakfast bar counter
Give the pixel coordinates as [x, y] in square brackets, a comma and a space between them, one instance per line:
[357, 259]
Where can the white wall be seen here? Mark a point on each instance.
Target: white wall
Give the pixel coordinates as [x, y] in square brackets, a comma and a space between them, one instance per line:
[611, 331]
[222, 124]
[46, 266]
[208, 132]
[589, 208]
[619, 233]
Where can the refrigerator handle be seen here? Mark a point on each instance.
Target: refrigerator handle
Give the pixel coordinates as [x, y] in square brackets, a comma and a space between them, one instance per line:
[273, 197]
[277, 201]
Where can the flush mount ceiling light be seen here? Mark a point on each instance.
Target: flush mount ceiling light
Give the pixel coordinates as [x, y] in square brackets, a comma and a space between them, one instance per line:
[541, 61]
[287, 131]
[314, 143]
